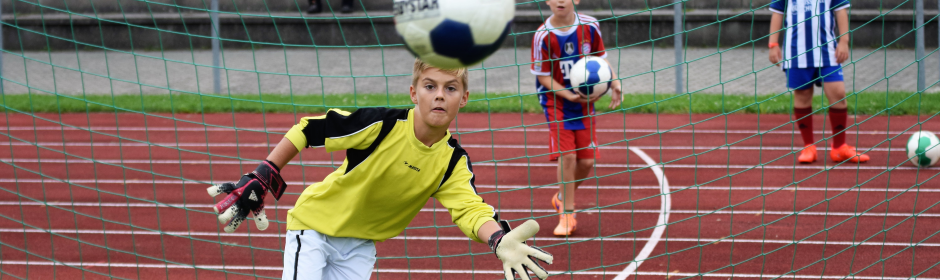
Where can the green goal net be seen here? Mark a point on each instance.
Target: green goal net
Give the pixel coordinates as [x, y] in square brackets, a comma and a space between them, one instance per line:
[117, 114]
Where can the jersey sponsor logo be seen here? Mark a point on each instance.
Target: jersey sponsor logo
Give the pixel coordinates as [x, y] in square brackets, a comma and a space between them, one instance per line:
[569, 48]
[793, 4]
[412, 167]
[808, 7]
[565, 67]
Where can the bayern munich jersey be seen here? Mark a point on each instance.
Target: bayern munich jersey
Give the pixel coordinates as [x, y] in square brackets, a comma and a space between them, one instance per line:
[554, 52]
[810, 25]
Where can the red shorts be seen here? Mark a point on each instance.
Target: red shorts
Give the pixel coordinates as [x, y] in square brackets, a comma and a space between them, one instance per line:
[563, 142]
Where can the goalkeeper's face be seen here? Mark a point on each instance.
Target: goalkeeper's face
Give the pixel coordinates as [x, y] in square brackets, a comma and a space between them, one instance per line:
[438, 96]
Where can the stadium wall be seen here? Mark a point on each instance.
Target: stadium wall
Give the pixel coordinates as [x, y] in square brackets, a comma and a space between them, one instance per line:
[265, 6]
[186, 24]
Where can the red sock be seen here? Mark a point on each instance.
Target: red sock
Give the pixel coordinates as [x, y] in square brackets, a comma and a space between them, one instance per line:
[838, 117]
[805, 124]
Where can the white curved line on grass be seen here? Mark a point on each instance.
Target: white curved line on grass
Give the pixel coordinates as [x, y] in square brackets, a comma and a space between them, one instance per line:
[665, 204]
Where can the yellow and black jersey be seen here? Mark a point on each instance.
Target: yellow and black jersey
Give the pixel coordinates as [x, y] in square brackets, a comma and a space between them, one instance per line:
[387, 177]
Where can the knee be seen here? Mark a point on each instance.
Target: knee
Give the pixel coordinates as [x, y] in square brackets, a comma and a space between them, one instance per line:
[569, 159]
[837, 98]
[836, 94]
[803, 98]
[803, 93]
[585, 163]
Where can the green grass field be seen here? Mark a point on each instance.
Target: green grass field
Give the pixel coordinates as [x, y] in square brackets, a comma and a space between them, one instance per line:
[894, 103]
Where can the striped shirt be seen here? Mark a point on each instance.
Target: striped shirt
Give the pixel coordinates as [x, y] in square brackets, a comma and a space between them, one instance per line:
[810, 40]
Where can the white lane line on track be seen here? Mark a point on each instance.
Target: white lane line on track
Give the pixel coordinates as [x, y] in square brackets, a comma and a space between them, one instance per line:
[464, 238]
[449, 271]
[460, 130]
[501, 210]
[478, 146]
[846, 166]
[662, 219]
[500, 187]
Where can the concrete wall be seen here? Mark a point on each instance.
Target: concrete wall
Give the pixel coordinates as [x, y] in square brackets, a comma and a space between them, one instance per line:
[176, 27]
[184, 6]
[175, 31]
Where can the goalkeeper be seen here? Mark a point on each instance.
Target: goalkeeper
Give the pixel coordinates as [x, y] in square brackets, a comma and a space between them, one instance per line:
[396, 159]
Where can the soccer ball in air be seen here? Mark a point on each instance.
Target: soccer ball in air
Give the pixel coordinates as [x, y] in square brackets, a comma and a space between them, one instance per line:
[453, 33]
[590, 75]
[923, 148]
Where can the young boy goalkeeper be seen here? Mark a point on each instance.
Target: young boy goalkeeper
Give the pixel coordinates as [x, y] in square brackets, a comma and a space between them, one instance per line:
[396, 159]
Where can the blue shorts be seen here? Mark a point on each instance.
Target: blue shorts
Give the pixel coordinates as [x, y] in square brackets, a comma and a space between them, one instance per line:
[805, 78]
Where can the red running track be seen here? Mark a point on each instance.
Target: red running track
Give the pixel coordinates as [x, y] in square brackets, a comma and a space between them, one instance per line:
[123, 196]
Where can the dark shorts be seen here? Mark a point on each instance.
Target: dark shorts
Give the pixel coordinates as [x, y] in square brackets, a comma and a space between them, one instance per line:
[805, 78]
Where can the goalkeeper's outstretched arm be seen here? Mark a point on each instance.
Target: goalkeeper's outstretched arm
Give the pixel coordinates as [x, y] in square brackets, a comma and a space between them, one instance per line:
[247, 194]
[283, 153]
[336, 130]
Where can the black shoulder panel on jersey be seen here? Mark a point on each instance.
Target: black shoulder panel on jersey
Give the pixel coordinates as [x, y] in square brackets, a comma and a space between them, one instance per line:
[391, 117]
[336, 124]
[454, 158]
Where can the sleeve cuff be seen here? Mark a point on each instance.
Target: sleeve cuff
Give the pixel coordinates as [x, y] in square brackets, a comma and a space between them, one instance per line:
[842, 7]
[537, 73]
[476, 229]
[776, 11]
[297, 137]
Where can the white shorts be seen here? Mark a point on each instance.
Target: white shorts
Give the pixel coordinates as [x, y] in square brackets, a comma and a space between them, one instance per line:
[309, 254]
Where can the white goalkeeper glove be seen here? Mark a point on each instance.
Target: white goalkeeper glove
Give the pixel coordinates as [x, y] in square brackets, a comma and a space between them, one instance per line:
[517, 257]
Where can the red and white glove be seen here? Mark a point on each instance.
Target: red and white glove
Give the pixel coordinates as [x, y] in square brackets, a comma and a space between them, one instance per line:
[518, 257]
[248, 195]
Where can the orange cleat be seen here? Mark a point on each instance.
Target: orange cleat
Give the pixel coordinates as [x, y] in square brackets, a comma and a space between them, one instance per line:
[808, 154]
[566, 225]
[847, 153]
[558, 204]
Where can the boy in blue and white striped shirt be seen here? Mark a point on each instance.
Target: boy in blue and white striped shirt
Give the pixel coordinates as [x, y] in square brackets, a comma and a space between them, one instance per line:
[811, 55]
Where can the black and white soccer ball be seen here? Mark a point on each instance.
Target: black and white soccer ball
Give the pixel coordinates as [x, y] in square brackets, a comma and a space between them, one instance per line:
[453, 33]
[590, 75]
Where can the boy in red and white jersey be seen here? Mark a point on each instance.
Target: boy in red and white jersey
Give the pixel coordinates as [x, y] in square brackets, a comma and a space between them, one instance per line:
[562, 40]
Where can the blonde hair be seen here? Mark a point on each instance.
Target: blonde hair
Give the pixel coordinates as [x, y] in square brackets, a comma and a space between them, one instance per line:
[421, 66]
